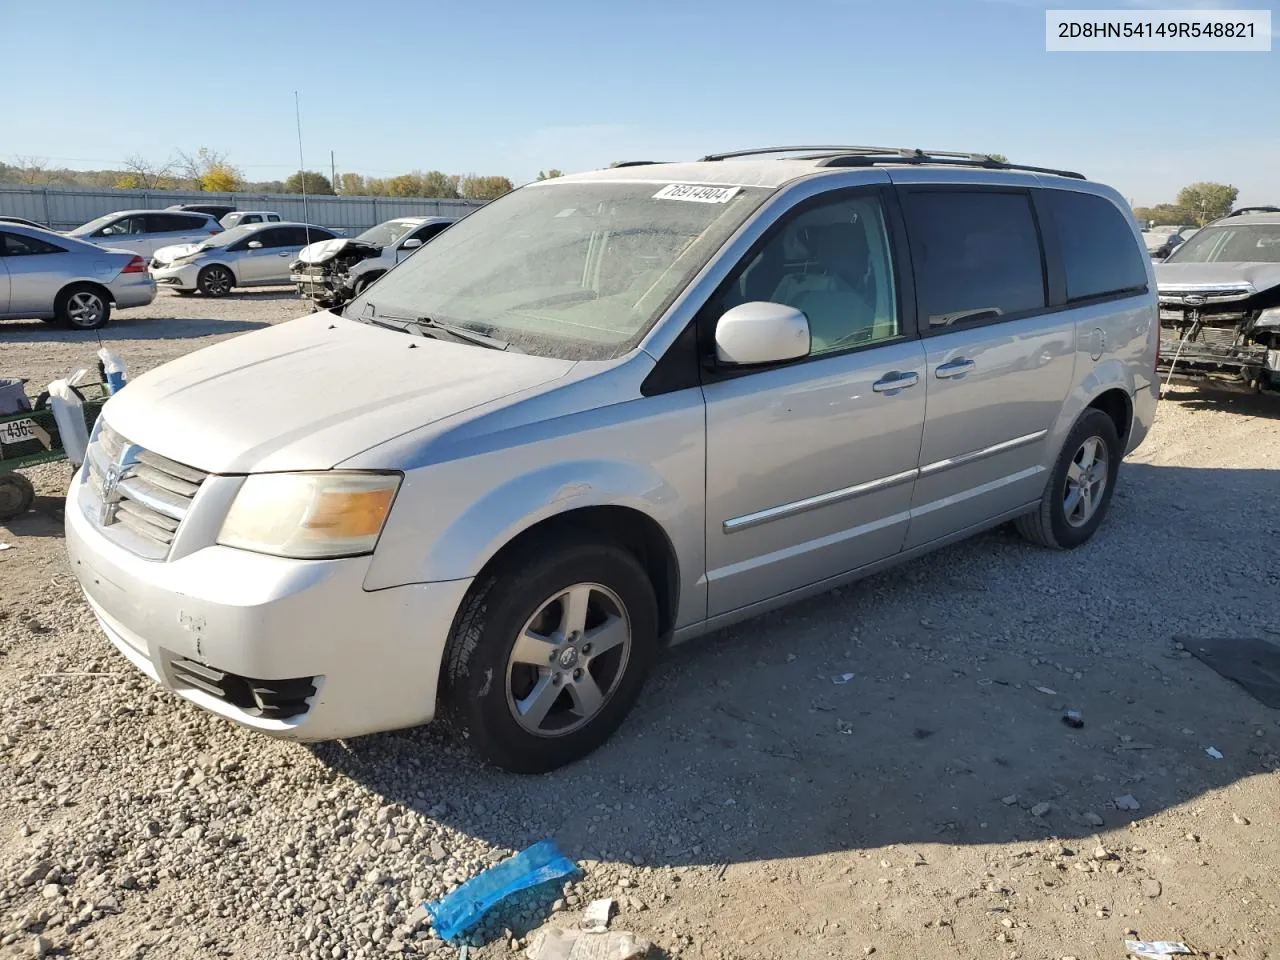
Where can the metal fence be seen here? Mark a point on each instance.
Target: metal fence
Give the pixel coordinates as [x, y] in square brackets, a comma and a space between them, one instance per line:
[61, 209]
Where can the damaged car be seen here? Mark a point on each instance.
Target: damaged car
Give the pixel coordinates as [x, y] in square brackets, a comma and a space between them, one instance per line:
[334, 271]
[1220, 305]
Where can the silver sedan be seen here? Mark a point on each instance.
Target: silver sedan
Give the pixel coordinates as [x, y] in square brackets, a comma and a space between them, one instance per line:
[248, 256]
[48, 276]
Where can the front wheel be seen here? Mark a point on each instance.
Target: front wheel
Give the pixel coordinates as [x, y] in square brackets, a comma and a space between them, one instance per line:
[215, 281]
[1080, 487]
[550, 653]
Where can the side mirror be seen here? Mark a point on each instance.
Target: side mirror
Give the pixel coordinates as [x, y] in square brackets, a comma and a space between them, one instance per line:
[255, 244]
[761, 332]
[411, 243]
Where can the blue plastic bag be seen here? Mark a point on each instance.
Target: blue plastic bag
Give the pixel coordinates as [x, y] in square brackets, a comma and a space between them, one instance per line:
[458, 912]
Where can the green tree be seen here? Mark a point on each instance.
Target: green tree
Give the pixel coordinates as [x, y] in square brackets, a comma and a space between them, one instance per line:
[440, 185]
[550, 174]
[317, 184]
[485, 188]
[352, 185]
[1206, 201]
[405, 185]
[222, 177]
[1163, 214]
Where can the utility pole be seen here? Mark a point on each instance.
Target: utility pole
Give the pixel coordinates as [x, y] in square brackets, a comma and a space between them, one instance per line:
[333, 173]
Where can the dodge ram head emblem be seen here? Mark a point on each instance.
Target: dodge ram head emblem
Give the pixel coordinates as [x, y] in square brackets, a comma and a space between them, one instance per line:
[121, 469]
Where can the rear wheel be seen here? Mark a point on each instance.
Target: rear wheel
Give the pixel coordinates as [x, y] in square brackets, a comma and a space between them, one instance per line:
[550, 653]
[16, 495]
[1079, 490]
[83, 307]
[215, 280]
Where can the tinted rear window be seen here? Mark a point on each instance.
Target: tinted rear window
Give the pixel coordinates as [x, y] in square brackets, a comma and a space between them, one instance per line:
[1099, 253]
[976, 255]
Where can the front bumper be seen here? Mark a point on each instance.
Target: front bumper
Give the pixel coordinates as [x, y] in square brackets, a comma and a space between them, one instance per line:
[179, 276]
[214, 622]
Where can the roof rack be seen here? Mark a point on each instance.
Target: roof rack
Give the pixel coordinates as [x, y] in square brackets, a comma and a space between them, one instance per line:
[636, 163]
[849, 156]
[1243, 211]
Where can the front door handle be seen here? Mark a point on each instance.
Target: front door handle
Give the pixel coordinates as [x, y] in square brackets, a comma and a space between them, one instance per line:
[894, 380]
[285, 254]
[953, 368]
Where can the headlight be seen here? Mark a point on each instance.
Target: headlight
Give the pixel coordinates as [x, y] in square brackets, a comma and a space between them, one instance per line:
[1268, 318]
[310, 515]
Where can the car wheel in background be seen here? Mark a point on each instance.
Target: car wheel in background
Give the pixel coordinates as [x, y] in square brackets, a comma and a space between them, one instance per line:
[16, 496]
[215, 281]
[82, 306]
[549, 653]
[1079, 490]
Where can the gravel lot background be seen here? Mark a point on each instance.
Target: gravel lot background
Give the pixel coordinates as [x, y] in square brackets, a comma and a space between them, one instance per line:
[933, 806]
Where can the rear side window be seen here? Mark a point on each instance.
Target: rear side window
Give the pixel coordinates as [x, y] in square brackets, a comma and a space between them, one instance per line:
[1099, 253]
[16, 245]
[976, 255]
[174, 222]
[430, 230]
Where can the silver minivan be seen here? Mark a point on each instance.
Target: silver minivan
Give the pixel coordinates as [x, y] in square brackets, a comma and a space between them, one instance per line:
[145, 231]
[607, 412]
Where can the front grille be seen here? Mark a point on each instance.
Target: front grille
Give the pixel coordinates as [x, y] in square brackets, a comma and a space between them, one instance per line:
[1205, 295]
[139, 493]
[270, 699]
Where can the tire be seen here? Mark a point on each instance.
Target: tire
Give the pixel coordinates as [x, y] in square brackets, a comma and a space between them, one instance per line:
[362, 284]
[16, 496]
[215, 280]
[1051, 524]
[82, 306]
[489, 685]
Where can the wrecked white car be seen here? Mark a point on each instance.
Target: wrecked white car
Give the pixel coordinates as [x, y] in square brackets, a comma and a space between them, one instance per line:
[1220, 305]
[334, 271]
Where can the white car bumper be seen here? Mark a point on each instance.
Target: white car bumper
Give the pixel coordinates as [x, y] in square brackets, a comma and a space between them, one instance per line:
[292, 648]
[180, 276]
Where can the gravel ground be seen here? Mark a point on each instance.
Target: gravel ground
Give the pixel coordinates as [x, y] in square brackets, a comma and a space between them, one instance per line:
[752, 807]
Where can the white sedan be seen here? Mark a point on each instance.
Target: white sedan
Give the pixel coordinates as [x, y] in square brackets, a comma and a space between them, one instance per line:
[250, 256]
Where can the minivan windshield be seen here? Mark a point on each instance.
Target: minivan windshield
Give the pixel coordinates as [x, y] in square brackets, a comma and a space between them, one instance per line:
[385, 234]
[1237, 243]
[571, 269]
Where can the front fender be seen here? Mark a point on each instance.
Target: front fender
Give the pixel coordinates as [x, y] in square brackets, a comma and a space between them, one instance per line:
[465, 542]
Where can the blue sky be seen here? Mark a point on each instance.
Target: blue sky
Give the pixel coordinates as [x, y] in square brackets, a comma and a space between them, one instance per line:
[491, 86]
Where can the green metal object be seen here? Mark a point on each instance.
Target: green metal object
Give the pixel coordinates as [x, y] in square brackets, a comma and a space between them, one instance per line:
[30, 438]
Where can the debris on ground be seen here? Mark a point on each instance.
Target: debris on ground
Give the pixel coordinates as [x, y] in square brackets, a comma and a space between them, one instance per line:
[1213, 752]
[1040, 809]
[1046, 691]
[1073, 719]
[1155, 949]
[459, 911]
[1251, 662]
[556, 944]
[597, 915]
[843, 678]
[1127, 802]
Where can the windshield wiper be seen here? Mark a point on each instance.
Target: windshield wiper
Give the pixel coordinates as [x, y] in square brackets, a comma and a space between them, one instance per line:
[426, 327]
[463, 333]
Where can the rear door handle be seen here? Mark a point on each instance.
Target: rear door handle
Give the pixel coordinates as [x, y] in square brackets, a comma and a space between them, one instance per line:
[953, 368]
[893, 381]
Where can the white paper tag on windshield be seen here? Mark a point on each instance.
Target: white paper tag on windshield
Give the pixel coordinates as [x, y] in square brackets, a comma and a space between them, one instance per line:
[696, 193]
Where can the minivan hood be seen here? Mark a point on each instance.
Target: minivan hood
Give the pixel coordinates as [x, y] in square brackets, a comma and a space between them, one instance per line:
[310, 393]
[1262, 275]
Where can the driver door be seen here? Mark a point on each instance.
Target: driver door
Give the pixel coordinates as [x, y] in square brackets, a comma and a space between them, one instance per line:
[811, 463]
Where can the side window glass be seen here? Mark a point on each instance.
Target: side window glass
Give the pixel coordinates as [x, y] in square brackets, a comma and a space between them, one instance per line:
[976, 255]
[251, 218]
[426, 233]
[118, 229]
[1099, 253]
[16, 245]
[162, 223]
[273, 218]
[833, 263]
